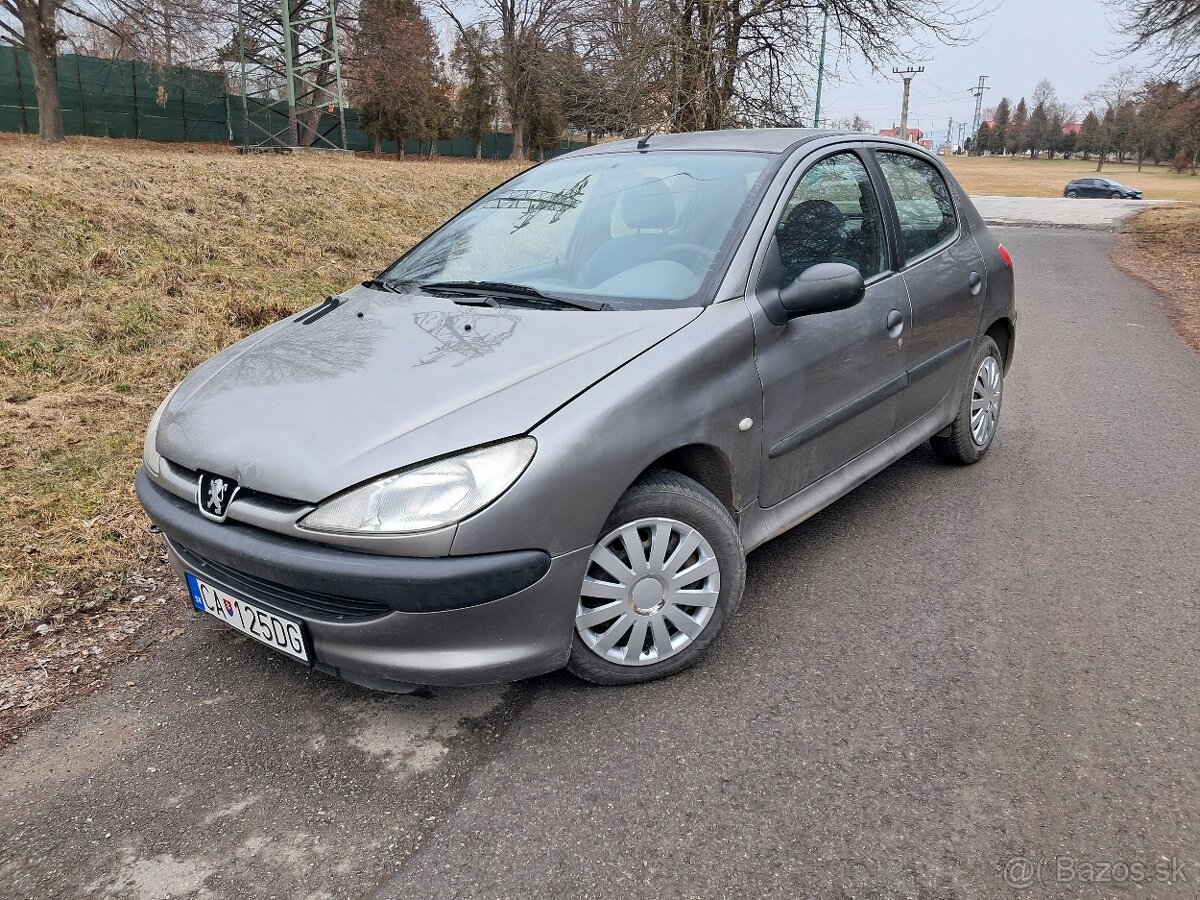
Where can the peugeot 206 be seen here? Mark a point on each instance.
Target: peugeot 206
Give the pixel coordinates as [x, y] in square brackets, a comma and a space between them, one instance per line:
[550, 432]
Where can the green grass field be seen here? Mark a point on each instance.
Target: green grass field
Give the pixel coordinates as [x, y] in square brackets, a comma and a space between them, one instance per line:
[1020, 177]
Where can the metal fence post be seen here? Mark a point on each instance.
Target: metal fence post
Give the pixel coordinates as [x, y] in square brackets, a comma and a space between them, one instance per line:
[20, 91]
[137, 122]
[82, 107]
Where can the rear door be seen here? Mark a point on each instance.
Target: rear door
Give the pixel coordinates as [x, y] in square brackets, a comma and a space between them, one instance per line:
[832, 382]
[944, 272]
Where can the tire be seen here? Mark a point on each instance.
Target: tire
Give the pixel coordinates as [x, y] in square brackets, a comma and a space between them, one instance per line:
[659, 513]
[1072, 194]
[1115, 195]
[963, 446]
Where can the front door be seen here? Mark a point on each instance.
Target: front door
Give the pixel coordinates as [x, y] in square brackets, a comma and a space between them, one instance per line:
[832, 382]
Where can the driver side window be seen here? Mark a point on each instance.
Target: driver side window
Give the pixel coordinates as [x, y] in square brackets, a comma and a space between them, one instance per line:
[832, 216]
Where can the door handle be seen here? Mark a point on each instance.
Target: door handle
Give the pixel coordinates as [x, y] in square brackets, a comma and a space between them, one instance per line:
[895, 323]
[976, 282]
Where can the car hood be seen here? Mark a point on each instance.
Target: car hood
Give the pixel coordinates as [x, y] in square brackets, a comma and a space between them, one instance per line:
[383, 381]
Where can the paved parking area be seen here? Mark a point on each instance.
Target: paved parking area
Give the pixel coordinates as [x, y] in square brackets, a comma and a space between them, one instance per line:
[1059, 211]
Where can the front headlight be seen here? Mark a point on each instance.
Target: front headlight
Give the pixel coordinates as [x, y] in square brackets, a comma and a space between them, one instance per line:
[431, 495]
[150, 457]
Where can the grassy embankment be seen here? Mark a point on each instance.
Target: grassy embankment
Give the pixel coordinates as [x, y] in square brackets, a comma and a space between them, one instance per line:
[122, 266]
[1162, 246]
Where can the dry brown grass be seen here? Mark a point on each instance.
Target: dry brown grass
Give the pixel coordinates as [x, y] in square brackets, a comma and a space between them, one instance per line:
[1162, 246]
[1010, 176]
[122, 266]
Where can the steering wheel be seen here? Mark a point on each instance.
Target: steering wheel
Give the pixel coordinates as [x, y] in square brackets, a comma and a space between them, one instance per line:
[694, 256]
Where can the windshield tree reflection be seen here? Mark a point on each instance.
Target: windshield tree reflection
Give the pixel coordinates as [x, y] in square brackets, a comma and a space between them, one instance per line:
[646, 228]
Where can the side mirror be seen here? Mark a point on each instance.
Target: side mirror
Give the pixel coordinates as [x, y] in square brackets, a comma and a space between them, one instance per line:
[824, 287]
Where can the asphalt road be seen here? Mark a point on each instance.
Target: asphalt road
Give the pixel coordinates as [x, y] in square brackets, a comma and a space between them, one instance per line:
[945, 671]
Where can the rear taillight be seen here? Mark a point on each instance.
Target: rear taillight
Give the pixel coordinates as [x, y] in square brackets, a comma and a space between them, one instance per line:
[1004, 255]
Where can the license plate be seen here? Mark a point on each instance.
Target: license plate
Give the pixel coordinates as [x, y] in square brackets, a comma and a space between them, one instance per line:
[285, 635]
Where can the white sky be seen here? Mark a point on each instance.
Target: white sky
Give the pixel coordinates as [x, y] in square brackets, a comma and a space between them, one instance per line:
[1016, 45]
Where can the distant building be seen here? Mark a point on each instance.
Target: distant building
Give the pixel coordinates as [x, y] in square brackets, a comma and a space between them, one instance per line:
[915, 135]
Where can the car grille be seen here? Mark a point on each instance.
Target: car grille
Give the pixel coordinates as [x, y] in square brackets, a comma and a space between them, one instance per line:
[307, 604]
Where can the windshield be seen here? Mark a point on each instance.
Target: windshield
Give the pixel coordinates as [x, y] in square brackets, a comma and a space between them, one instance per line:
[631, 229]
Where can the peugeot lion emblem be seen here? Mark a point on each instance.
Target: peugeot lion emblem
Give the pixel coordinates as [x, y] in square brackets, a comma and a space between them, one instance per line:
[216, 493]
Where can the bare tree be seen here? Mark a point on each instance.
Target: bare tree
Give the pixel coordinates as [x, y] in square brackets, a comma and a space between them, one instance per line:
[160, 32]
[520, 38]
[1169, 29]
[749, 61]
[33, 26]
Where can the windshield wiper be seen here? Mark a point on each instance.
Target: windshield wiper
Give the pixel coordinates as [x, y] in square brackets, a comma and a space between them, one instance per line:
[385, 284]
[521, 293]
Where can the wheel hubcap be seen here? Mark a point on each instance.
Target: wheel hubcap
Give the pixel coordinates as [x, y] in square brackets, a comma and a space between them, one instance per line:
[650, 590]
[985, 401]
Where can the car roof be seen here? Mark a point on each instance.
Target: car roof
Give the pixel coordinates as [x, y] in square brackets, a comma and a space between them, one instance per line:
[761, 140]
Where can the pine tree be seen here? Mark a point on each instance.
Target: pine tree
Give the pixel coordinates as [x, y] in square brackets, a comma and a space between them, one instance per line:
[1015, 140]
[545, 126]
[1035, 131]
[984, 139]
[1000, 123]
[1054, 133]
[476, 107]
[397, 83]
[1088, 141]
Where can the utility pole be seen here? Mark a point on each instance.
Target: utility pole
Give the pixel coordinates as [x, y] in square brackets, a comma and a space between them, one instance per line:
[821, 70]
[907, 75]
[962, 131]
[950, 134]
[977, 91]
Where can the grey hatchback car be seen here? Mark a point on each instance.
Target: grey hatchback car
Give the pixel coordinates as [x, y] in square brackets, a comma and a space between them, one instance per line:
[549, 434]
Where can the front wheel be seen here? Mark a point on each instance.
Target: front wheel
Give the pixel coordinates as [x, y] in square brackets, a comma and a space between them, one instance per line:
[974, 427]
[662, 583]
[1115, 195]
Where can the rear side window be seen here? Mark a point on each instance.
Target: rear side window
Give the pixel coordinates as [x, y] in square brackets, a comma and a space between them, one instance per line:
[923, 203]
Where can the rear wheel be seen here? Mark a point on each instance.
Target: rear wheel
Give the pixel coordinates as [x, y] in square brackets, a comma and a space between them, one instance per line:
[662, 583]
[974, 427]
[1072, 194]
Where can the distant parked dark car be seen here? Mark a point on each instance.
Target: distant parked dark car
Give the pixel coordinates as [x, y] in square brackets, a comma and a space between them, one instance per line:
[1100, 187]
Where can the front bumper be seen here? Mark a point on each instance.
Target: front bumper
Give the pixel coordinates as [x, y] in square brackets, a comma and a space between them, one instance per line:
[384, 621]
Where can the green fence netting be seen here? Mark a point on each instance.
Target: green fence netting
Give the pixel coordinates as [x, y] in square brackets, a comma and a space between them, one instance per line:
[130, 99]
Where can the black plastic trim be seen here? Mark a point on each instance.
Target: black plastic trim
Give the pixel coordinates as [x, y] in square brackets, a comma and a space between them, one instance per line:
[406, 584]
[839, 416]
[279, 598]
[939, 359]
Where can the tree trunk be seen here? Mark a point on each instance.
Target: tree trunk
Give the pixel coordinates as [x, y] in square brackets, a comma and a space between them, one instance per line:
[518, 133]
[399, 146]
[377, 145]
[478, 148]
[40, 29]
